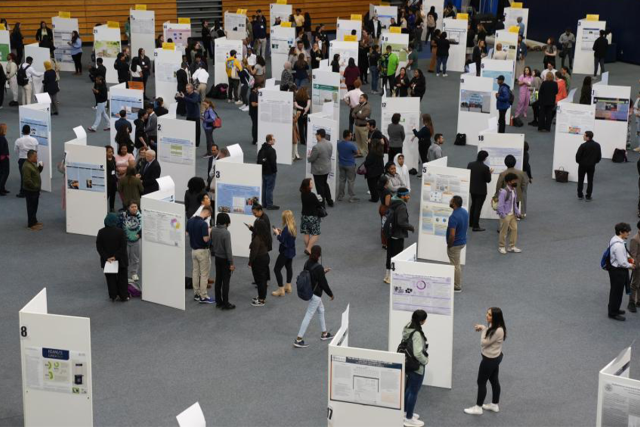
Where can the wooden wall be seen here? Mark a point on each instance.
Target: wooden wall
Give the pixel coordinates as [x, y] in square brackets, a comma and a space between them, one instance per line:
[89, 12]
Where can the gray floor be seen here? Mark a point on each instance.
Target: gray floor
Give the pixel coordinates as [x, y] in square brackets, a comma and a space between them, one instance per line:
[151, 362]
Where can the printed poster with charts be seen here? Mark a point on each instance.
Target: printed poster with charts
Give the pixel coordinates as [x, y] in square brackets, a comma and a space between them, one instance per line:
[176, 150]
[474, 101]
[321, 94]
[85, 177]
[166, 72]
[275, 111]
[497, 155]
[161, 227]
[56, 370]
[235, 198]
[366, 382]
[281, 44]
[455, 36]
[400, 49]
[613, 109]
[180, 37]
[493, 74]
[130, 104]
[61, 40]
[429, 293]
[574, 122]
[39, 129]
[589, 36]
[408, 119]
[437, 191]
[142, 26]
[106, 48]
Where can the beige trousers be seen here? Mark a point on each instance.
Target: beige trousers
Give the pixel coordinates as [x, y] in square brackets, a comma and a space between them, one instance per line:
[201, 260]
[362, 139]
[454, 257]
[202, 91]
[508, 223]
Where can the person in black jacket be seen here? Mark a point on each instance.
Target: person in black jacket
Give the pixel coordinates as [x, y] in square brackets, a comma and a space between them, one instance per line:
[588, 155]
[183, 80]
[267, 157]
[50, 85]
[480, 176]
[5, 165]
[374, 164]
[150, 173]
[98, 70]
[424, 139]
[17, 43]
[418, 84]
[400, 227]
[600, 47]
[310, 221]
[547, 103]
[112, 179]
[44, 37]
[479, 51]
[101, 94]
[111, 244]
[122, 66]
[141, 65]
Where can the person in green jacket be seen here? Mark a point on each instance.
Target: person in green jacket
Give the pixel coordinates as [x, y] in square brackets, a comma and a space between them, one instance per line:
[414, 379]
[31, 183]
[388, 66]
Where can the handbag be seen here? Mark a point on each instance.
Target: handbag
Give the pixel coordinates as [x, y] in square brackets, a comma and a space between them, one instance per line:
[494, 203]
[619, 156]
[561, 175]
[321, 211]
[362, 169]
[533, 98]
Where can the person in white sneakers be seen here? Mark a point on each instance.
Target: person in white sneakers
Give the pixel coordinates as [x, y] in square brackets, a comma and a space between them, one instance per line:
[491, 341]
[414, 340]
[508, 212]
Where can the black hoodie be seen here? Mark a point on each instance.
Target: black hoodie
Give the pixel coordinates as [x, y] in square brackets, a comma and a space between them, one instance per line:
[401, 226]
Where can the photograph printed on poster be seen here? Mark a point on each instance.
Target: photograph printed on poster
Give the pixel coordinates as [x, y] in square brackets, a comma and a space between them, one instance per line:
[474, 101]
[613, 109]
[237, 199]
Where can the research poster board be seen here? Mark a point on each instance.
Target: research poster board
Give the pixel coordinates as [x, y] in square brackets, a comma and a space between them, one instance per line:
[177, 151]
[282, 40]
[409, 110]
[493, 68]
[316, 122]
[344, 27]
[166, 64]
[399, 45]
[385, 13]
[439, 9]
[618, 393]
[282, 11]
[62, 29]
[275, 117]
[223, 47]
[325, 88]
[55, 352]
[346, 50]
[572, 121]
[5, 47]
[429, 287]
[476, 105]
[456, 30]
[235, 26]
[106, 44]
[237, 184]
[163, 246]
[143, 30]
[121, 98]
[38, 117]
[587, 33]
[179, 33]
[39, 55]
[499, 146]
[509, 43]
[612, 117]
[439, 184]
[511, 16]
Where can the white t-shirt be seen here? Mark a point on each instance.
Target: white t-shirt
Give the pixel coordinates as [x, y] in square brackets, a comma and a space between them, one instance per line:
[353, 96]
[251, 60]
[201, 75]
[543, 75]
[24, 144]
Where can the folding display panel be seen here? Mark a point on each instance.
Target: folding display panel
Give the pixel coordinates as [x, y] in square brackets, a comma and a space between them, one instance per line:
[409, 110]
[38, 117]
[178, 33]
[121, 98]
[511, 16]
[509, 42]
[399, 45]
[106, 44]
[143, 31]
[282, 40]
[235, 26]
[618, 393]
[275, 117]
[5, 47]
[39, 55]
[385, 13]
[344, 27]
[572, 121]
[456, 30]
[476, 105]
[166, 63]
[325, 88]
[177, 151]
[282, 11]
[223, 47]
[588, 32]
[612, 117]
[62, 30]
[492, 68]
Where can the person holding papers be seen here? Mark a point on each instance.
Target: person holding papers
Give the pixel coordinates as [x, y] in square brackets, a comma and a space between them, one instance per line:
[111, 244]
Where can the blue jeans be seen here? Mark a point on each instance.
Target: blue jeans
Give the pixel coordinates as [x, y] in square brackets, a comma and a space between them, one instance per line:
[411, 390]
[268, 184]
[375, 76]
[441, 61]
[314, 304]
[300, 82]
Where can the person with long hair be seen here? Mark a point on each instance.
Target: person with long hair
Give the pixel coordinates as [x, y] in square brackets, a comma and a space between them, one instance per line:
[413, 333]
[401, 83]
[17, 43]
[112, 180]
[287, 251]
[208, 120]
[319, 285]
[44, 37]
[562, 87]
[130, 188]
[259, 260]
[491, 341]
[424, 139]
[396, 135]
[585, 91]
[76, 52]
[418, 84]
[124, 160]
[434, 51]
[374, 164]
[385, 202]
[195, 187]
[259, 71]
[301, 70]
[310, 221]
[536, 82]
[351, 74]
[111, 244]
[550, 52]
[302, 105]
[524, 95]
[335, 63]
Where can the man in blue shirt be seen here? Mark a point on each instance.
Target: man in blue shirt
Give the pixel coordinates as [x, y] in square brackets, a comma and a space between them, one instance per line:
[504, 102]
[347, 151]
[199, 235]
[457, 238]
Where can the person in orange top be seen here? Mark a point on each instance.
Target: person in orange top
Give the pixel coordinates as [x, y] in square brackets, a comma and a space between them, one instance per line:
[562, 87]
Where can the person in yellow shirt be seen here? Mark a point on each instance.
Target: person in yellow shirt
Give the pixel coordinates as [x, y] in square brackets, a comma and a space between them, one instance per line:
[233, 67]
[299, 18]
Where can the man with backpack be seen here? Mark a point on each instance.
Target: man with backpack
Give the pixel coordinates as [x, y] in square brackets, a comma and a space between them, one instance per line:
[27, 78]
[396, 227]
[504, 100]
[233, 67]
[619, 265]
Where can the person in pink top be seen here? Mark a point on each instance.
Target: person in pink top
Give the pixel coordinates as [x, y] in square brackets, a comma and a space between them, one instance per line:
[123, 160]
[524, 81]
[562, 87]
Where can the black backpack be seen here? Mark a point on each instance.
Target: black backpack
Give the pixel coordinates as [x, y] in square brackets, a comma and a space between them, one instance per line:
[218, 91]
[22, 77]
[619, 156]
[511, 97]
[411, 364]
[461, 139]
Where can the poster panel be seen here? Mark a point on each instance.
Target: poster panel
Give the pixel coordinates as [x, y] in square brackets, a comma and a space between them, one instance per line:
[62, 29]
[325, 88]
[275, 117]
[344, 27]
[587, 33]
[177, 152]
[282, 40]
[178, 33]
[106, 45]
[511, 16]
[223, 46]
[38, 118]
[282, 11]
[143, 30]
[572, 121]
[235, 26]
[385, 13]
[456, 30]
[409, 110]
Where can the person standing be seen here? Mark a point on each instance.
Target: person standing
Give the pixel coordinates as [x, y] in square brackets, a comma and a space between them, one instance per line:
[442, 54]
[141, 65]
[524, 94]
[619, 265]
[352, 99]
[130, 188]
[131, 223]
[101, 95]
[588, 155]
[479, 52]
[29, 81]
[399, 227]
[347, 151]
[503, 103]
[508, 212]
[31, 183]
[150, 173]
[182, 78]
[413, 336]
[491, 341]
[44, 37]
[480, 177]
[600, 47]
[567, 40]
[389, 64]
[208, 123]
[76, 52]
[374, 59]
[396, 135]
[50, 85]
[151, 126]
[457, 237]
[268, 158]
[547, 102]
[287, 252]
[320, 159]
[310, 221]
[233, 67]
[634, 251]
[550, 52]
[200, 80]
[360, 114]
[253, 113]
[111, 244]
[199, 236]
[259, 260]
[12, 79]
[122, 67]
[5, 164]
[192, 104]
[17, 42]
[374, 166]
[424, 139]
[435, 149]
[22, 146]
[221, 250]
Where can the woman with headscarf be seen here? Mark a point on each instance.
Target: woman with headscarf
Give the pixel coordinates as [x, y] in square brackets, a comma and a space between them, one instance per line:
[402, 170]
[111, 244]
[50, 85]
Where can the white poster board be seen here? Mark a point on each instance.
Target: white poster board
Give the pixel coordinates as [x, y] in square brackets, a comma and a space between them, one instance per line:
[192, 417]
[275, 117]
[511, 16]
[439, 184]
[178, 33]
[62, 29]
[282, 11]
[588, 32]
[409, 110]
[38, 117]
[121, 98]
[55, 352]
[325, 88]
[223, 47]
[509, 42]
[177, 151]
[166, 64]
[427, 286]
[476, 105]
[39, 55]
[316, 122]
[143, 30]
[572, 121]
[106, 44]
[236, 185]
[235, 26]
[612, 117]
[282, 40]
[439, 9]
[346, 50]
[499, 146]
[399, 45]
[618, 393]
[456, 30]
[5, 47]
[493, 68]
[385, 13]
[344, 27]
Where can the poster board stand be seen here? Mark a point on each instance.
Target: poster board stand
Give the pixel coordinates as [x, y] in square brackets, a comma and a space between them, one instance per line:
[121, 98]
[572, 121]
[192, 417]
[39, 55]
[5, 47]
[427, 286]
[344, 27]
[55, 352]
[456, 30]
[476, 106]
[511, 15]
[317, 121]
[38, 117]
[223, 47]
[612, 117]
[275, 117]
[235, 26]
[143, 30]
[587, 33]
[325, 88]
[509, 42]
[178, 33]
[617, 392]
[282, 40]
[399, 45]
[346, 50]
[177, 151]
[409, 110]
[282, 11]
[62, 29]
[106, 44]
[166, 63]
[493, 68]
[385, 13]
[439, 9]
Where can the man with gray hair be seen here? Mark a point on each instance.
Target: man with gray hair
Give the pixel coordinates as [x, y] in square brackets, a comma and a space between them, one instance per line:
[286, 78]
[150, 173]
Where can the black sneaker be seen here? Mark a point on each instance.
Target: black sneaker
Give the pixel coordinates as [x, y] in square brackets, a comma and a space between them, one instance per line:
[300, 344]
[327, 336]
[588, 198]
[228, 307]
[580, 197]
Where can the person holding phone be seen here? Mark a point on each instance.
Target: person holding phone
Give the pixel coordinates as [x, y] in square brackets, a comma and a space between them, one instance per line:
[287, 238]
[221, 250]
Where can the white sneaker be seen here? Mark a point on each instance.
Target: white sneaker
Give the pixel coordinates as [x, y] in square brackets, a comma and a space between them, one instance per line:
[415, 416]
[387, 280]
[445, 75]
[245, 108]
[413, 423]
[503, 251]
[514, 250]
[493, 407]
[474, 410]
[238, 102]
[437, 74]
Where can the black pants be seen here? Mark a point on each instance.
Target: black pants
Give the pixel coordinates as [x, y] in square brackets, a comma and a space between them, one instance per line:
[233, 89]
[394, 247]
[181, 110]
[118, 284]
[549, 59]
[20, 163]
[598, 62]
[618, 277]
[244, 90]
[545, 117]
[77, 61]
[302, 128]
[489, 370]
[285, 262]
[589, 171]
[478, 68]
[197, 121]
[145, 77]
[536, 111]
[5, 167]
[111, 196]
[260, 270]
[254, 128]
[322, 187]
[386, 85]
[502, 120]
[2, 89]
[223, 278]
[32, 198]
[477, 201]
[372, 182]
[423, 149]
[393, 151]
[19, 54]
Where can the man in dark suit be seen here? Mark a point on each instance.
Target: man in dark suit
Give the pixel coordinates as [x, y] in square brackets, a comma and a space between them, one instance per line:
[600, 47]
[150, 173]
[122, 121]
[480, 176]
[588, 155]
[182, 77]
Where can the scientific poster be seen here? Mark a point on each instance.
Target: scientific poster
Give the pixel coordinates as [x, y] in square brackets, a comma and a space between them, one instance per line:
[180, 37]
[4, 52]
[176, 150]
[281, 44]
[39, 129]
[235, 22]
[508, 47]
[475, 101]
[85, 176]
[437, 191]
[620, 404]
[131, 104]
[429, 293]
[385, 13]
[493, 74]
[56, 370]
[497, 155]
[320, 94]
[161, 227]
[275, 111]
[237, 199]
[142, 26]
[61, 39]
[574, 122]
[589, 36]
[408, 119]
[106, 48]
[345, 52]
[456, 36]
[166, 72]
[613, 109]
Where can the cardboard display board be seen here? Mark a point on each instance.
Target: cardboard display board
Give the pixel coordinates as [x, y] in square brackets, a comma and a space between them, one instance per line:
[106, 44]
[5, 47]
[282, 11]
[55, 352]
[325, 88]
[275, 117]
[399, 45]
[618, 393]
[38, 117]
[316, 122]
[177, 151]
[439, 7]
[427, 286]
[236, 185]
[344, 27]
[62, 29]
[572, 121]
[385, 13]
[409, 110]
[39, 55]
[612, 117]
[511, 16]
[178, 33]
[476, 105]
[456, 30]
[223, 47]
[166, 64]
[143, 31]
[282, 40]
[235, 26]
[121, 98]
[588, 32]
[509, 43]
